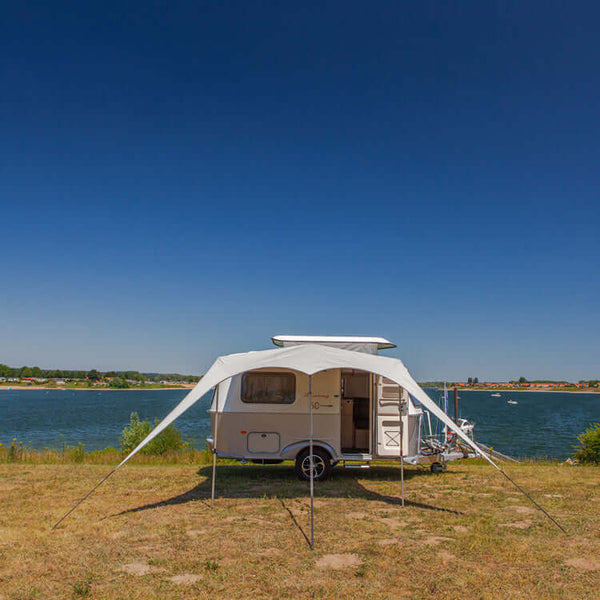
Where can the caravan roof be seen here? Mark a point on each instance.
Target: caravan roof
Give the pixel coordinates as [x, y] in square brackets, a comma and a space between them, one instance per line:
[345, 342]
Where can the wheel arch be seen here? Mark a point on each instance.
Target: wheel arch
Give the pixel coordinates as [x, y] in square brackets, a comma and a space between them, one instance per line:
[292, 450]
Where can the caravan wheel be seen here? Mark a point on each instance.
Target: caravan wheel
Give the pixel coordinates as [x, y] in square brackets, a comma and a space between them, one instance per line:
[321, 464]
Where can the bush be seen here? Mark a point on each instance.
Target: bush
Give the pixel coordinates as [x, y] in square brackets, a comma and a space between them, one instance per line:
[136, 431]
[588, 450]
[77, 453]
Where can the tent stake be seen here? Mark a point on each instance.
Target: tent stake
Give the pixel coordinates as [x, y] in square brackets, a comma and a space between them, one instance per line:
[214, 465]
[311, 461]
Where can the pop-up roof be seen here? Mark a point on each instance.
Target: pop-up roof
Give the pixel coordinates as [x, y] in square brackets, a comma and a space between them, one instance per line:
[370, 345]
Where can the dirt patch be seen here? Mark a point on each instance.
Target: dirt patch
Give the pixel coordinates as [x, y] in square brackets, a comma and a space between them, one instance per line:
[526, 524]
[186, 579]
[357, 515]
[445, 556]
[460, 528]
[388, 542]
[138, 567]
[436, 539]
[523, 510]
[338, 561]
[392, 522]
[583, 564]
[195, 532]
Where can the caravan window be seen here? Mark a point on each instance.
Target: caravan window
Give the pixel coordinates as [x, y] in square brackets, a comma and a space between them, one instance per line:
[269, 388]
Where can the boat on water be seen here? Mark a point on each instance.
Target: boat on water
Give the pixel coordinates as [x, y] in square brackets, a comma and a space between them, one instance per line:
[511, 401]
[496, 395]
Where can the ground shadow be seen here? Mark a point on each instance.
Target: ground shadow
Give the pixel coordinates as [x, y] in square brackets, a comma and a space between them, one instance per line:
[280, 481]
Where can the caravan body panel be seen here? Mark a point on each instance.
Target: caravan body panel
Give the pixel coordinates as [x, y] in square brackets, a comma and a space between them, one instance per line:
[264, 430]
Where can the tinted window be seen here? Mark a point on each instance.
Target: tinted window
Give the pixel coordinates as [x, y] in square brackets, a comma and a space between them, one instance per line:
[269, 388]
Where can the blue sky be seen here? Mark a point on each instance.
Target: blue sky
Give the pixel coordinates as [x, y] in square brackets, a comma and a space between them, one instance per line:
[183, 180]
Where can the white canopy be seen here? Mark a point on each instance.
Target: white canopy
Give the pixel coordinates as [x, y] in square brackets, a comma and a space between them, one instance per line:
[308, 359]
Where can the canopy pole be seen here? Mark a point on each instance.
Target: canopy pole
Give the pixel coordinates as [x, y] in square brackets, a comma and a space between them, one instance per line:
[312, 469]
[401, 449]
[214, 465]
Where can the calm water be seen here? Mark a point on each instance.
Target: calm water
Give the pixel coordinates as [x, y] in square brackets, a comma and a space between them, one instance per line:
[95, 418]
[540, 425]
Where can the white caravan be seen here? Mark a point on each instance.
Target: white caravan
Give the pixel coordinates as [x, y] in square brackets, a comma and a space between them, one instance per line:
[262, 415]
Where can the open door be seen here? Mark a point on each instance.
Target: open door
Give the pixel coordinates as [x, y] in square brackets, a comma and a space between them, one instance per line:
[355, 412]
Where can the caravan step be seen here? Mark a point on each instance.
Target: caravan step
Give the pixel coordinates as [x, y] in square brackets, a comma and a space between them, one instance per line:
[354, 465]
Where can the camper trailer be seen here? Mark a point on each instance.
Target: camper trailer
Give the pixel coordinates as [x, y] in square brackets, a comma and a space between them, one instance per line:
[262, 415]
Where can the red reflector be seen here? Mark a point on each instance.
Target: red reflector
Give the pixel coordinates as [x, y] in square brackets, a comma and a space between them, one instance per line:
[244, 432]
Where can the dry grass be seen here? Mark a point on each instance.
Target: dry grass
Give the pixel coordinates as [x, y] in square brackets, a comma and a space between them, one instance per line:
[18, 452]
[149, 532]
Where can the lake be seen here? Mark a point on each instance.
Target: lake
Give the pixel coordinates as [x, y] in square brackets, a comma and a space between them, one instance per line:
[542, 424]
[95, 418]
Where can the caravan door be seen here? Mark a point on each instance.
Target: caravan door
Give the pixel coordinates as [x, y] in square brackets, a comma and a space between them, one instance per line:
[388, 431]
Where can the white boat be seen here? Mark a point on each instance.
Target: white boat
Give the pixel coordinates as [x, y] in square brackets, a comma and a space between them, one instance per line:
[496, 395]
[512, 401]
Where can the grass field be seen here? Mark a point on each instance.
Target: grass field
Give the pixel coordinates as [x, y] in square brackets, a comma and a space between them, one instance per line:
[149, 532]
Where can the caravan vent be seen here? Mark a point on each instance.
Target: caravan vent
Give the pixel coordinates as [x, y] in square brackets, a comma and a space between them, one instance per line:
[388, 391]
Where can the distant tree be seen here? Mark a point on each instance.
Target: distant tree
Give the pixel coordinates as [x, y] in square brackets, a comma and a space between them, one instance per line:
[119, 382]
[470, 380]
[36, 372]
[522, 380]
[26, 372]
[475, 379]
[94, 375]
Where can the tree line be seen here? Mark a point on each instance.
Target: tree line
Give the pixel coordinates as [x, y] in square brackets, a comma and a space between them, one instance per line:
[91, 375]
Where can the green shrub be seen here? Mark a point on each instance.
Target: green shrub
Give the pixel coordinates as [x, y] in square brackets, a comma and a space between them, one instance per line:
[136, 431]
[77, 453]
[588, 450]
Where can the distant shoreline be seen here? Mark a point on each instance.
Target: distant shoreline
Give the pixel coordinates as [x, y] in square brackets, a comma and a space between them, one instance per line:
[96, 389]
[515, 390]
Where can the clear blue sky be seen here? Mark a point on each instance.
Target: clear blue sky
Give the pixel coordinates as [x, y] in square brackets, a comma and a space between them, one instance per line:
[180, 180]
